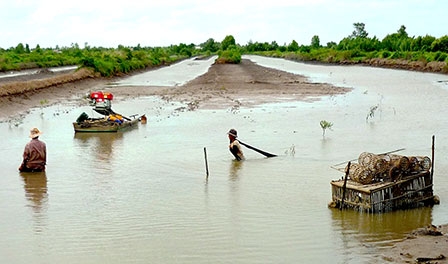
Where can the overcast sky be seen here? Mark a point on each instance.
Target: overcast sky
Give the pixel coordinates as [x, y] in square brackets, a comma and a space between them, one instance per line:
[109, 23]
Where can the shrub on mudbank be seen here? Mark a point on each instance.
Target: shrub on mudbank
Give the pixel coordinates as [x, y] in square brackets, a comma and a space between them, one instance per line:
[229, 56]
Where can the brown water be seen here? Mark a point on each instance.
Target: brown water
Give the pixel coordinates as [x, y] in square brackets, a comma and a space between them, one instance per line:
[142, 196]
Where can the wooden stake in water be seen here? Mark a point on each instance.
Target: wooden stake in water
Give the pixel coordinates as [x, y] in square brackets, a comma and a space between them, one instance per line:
[344, 187]
[432, 156]
[206, 163]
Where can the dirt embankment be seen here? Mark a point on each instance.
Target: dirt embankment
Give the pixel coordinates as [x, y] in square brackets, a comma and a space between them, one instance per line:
[41, 80]
[15, 104]
[247, 84]
[433, 66]
[421, 65]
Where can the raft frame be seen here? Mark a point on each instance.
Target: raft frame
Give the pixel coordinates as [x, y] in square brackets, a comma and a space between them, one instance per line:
[410, 191]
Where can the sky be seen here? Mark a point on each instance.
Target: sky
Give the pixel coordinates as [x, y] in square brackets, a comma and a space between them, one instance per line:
[154, 23]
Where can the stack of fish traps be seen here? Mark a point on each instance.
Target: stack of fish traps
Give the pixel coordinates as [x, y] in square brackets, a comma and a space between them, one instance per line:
[372, 168]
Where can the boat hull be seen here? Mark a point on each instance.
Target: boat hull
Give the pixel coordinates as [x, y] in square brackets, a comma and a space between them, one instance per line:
[104, 126]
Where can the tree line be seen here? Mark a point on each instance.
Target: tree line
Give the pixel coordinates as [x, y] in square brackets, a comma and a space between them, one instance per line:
[357, 47]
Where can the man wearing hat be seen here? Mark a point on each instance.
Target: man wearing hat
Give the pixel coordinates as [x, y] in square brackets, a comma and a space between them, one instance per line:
[35, 154]
[235, 147]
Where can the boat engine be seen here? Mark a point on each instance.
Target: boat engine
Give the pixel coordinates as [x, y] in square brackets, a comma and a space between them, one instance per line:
[101, 102]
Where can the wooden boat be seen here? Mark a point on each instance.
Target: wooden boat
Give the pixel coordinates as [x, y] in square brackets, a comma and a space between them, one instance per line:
[112, 122]
[405, 182]
[105, 125]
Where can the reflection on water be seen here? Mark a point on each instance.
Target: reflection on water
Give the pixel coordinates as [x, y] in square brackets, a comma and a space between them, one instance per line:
[235, 167]
[36, 193]
[31, 72]
[35, 185]
[366, 234]
[101, 144]
[381, 228]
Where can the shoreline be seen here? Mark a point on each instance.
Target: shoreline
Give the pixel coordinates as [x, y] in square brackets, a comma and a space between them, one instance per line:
[424, 245]
[397, 64]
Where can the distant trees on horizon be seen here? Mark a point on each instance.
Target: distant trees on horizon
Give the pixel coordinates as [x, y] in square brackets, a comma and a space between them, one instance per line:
[356, 47]
[358, 39]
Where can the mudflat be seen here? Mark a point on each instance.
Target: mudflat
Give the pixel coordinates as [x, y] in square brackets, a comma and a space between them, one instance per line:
[224, 85]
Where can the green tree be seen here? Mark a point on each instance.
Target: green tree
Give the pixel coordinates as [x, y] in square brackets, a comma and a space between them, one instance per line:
[20, 49]
[282, 48]
[440, 44]
[210, 45]
[397, 41]
[38, 49]
[331, 44]
[422, 43]
[315, 42]
[360, 31]
[274, 45]
[227, 42]
[402, 32]
[293, 46]
[257, 46]
[358, 41]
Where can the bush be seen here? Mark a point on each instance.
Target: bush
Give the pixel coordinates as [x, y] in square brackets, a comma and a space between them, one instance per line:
[396, 55]
[105, 68]
[229, 56]
[440, 56]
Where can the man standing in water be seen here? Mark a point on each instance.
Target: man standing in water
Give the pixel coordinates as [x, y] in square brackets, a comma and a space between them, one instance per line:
[235, 147]
[35, 154]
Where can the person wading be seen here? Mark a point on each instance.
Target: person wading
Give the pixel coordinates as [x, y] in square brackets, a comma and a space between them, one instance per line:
[235, 147]
[35, 154]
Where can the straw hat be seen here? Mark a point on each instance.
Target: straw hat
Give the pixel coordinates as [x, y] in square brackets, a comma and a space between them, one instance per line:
[232, 132]
[34, 133]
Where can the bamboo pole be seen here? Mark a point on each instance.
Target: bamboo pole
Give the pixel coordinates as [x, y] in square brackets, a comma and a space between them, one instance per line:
[267, 154]
[432, 156]
[345, 185]
[385, 153]
[206, 163]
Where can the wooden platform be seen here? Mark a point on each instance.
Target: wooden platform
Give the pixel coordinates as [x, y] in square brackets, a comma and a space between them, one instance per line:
[411, 191]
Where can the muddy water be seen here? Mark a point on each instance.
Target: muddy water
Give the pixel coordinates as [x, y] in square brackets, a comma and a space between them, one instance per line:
[142, 196]
[31, 72]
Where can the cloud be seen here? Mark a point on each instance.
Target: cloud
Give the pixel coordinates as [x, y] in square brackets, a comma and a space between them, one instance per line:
[162, 23]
